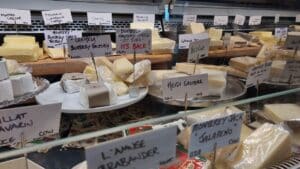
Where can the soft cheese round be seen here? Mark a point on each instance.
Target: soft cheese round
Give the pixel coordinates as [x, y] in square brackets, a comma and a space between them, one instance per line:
[22, 84]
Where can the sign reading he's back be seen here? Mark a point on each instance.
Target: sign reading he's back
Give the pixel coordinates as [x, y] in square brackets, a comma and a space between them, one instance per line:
[83, 47]
[133, 40]
[33, 121]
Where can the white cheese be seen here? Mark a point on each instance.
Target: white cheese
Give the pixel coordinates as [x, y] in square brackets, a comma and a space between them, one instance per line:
[71, 82]
[22, 84]
[122, 67]
[3, 69]
[140, 68]
[215, 34]
[6, 90]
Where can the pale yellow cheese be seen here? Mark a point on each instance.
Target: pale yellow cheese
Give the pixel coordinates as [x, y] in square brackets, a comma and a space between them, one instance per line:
[261, 33]
[195, 28]
[215, 34]
[266, 146]
[156, 76]
[122, 67]
[237, 42]
[120, 88]
[162, 45]
[20, 39]
[243, 63]
[216, 44]
[282, 112]
[107, 75]
[54, 53]
[104, 62]
[90, 73]
[277, 68]
[139, 25]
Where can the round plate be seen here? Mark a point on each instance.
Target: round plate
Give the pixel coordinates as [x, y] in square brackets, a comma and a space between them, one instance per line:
[41, 85]
[71, 104]
[82, 165]
[234, 89]
[281, 84]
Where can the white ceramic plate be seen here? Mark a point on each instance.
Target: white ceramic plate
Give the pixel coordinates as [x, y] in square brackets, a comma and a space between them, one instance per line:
[81, 165]
[71, 104]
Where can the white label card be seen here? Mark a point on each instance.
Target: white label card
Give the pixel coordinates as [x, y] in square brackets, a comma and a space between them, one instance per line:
[58, 38]
[130, 40]
[55, 17]
[198, 50]
[99, 18]
[281, 32]
[187, 19]
[186, 39]
[15, 16]
[220, 20]
[145, 150]
[221, 131]
[258, 74]
[144, 18]
[292, 71]
[193, 86]
[292, 42]
[86, 46]
[255, 20]
[33, 121]
[298, 18]
[277, 18]
[239, 20]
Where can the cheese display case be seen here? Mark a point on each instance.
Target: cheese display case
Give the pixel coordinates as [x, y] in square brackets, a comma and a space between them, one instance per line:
[155, 85]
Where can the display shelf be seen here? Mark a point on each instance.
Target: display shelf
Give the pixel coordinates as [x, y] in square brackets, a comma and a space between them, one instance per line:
[60, 66]
[235, 52]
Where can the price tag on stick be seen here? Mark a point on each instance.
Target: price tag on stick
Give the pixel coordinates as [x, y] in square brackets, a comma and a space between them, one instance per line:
[144, 150]
[258, 74]
[15, 16]
[292, 71]
[187, 19]
[83, 47]
[216, 133]
[220, 20]
[198, 50]
[99, 18]
[186, 39]
[178, 88]
[239, 20]
[255, 20]
[56, 17]
[32, 122]
[144, 18]
[58, 38]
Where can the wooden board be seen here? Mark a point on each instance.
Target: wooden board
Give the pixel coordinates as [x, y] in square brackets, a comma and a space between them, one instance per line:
[235, 52]
[56, 67]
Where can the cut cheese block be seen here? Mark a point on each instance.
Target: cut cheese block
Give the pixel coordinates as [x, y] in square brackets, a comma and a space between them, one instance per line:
[266, 146]
[6, 91]
[277, 69]
[282, 112]
[71, 82]
[195, 28]
[140, 68]
[188, 68]
[143, 81]
[144, 25]
[162, 46]
[262, 33]
[90, 73]
[215, 34]
[20, 39]
[22, 84]
[107, 75]
[122, 67]
[113, 45]
[3, 69]
[54, 53]
[156, 76]
[243, 63]
[14, 67]
[216, 44]
[120, 88]
[216, 81]
[103, 61]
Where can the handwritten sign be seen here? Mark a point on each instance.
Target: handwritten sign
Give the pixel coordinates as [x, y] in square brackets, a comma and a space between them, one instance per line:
[258, 74]
[33, 121]
[292, 41]
[277, 18]
[198, 50]
[15, 16]
[58, 38]
[221, 131]
[292, 71]
[144, 18]
[99, 18]
[130, 40]
[239, 20]
[145, 150]
[83, 47]
[281, 32]
[193, 86]
[298, 18]
[187, 19]
[255, 20]
[186, 39]
[55, 17]
[220, 20]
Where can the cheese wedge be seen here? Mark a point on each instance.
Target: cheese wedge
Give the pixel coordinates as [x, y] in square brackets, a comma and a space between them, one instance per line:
[282, 112]
[122, 67]
[120, 88]
[243, 63]
[3, 69]
[104, 61]
[107, 75]
[215, 34]
[195, 28]
[140, 68]
[54, 53]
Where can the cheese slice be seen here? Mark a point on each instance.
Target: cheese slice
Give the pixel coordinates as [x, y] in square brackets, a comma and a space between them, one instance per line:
[282, 112]
[266, 146]
[215, 34]
[107, 75]
[243, 63]
[195, 28]
[122, 67]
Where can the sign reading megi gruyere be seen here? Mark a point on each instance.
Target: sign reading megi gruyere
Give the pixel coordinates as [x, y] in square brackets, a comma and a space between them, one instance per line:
[33, 121]
[215, 133]
[177, 88]
[83, 47]
[146, 150]
[133, 40]
[15, 16]
[258, 74]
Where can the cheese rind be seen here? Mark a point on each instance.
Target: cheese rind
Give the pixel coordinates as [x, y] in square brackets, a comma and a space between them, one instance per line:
[140, 68]
[282, 112]
[6, 91]
[122, 67]
[3, 69]
[22, 84]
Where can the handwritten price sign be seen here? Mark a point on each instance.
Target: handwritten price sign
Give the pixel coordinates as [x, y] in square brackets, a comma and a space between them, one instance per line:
[239, 20]
[221, 131]
[58, 38]
[198, 50]
[15, 16]
[133, 40]
[293, 40]
[99, 18]
[146, 150]
[186, 39]
[33, 121]
[258, 74]
[55, 17]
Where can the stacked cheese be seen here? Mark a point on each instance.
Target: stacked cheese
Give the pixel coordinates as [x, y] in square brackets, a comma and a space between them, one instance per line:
[159, 45]
[215, 36]
[282, 112]
[71, 82]
[21, 48]
[243, 63]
